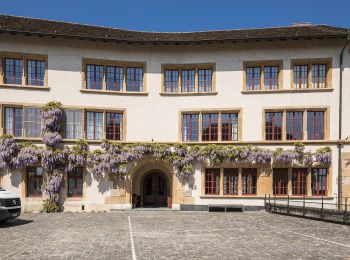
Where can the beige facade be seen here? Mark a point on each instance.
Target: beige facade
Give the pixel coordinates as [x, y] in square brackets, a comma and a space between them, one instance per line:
[155, 116]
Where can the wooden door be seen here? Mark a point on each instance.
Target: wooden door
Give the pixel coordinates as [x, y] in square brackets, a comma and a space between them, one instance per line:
[155, 190]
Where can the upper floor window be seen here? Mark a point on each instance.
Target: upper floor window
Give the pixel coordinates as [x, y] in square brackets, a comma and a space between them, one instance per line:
[34, 181]
[13, 71]
[311, 73]
[13, 121]
[264, 75]
[188, 78]
[32, 122]
[319, 181]
[216, 126]
[114, 126]
[273, 125]
[315, 125]
[94, 76]
[24, 70]
[114, 76]
[73, 124]
[289, 124]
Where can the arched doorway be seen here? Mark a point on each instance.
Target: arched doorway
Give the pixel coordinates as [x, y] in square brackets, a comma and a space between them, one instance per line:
[155, 188]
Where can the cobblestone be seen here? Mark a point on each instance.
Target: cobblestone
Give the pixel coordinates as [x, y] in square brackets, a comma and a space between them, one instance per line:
[171, 235]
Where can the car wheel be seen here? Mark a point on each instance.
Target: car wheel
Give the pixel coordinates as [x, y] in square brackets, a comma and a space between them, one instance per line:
[3, 221]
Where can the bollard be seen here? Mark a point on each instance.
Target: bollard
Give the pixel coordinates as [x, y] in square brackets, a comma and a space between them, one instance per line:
[288, 205]
[304, 206]
[322, 209]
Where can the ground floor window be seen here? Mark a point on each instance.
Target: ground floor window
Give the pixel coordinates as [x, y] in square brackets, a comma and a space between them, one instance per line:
[280, 181]
[299, 181]
[34, 181]
[212, 181]
[75, 182]
[319, 181]
[249, 178]
[230, 181]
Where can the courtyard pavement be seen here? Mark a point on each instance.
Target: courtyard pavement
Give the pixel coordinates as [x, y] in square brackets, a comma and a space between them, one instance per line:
[171, 235]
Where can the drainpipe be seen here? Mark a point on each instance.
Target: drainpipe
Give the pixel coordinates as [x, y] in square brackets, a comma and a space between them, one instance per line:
[340, 144]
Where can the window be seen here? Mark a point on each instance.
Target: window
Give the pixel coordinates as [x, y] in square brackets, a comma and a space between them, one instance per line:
[73, 124]
[315, 125]
[114, 126]
[212, 181]
[210, 127]
[13, 121]
[35, 72]
[134, 79]
[273, 125]
[190, 130]
[188, 80]
[94, 76]
[115, 78]
[229, 126]
[249, 178]
[300, 76]
[253, 78]
[205, 80]
[75, 182]
[319, 181]
[280, 181]
[34, 181]
[270, 77]
[32, 122]
[171, 81]
[13, 71]
[230, 181]
[294, 125]
[299, 181]
[319, 72]
[94, 122]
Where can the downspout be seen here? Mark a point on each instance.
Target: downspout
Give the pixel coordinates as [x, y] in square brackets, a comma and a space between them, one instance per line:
[340, 144]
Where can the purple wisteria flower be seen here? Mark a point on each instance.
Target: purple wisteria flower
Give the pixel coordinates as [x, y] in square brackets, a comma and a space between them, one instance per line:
[323, 156]
[8, 151]
[284, 156]
[262, 156]
[28, 155]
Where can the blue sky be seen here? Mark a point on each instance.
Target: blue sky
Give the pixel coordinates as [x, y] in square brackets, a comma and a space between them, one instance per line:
[184, 15]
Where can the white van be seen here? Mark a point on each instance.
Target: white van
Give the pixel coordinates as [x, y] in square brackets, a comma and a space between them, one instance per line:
[10, 205]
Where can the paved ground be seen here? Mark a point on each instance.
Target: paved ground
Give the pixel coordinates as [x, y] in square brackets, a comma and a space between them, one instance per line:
[171, 235]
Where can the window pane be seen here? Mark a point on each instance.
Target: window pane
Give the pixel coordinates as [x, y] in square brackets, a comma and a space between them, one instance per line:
[209, 127]
[294, 125]
[114, 126]
[315, 125]
[300, 76]
[212, 181]
[94, 77]
[75, 182]
[253, 78]
[319, 181]
[35, 72]
[273, 125]
[94, 121]
[171, 80]
[13, 71]
[13, 121]
[190, 131]
[299, 181]
[115, 77]
[32, 122]
[280, 181]
[134, 79]
[188, 80]
[229, 126]
[73, 124]
[271, 77]
[319, 75]
[230, 181]
[249, 177]
[34, 181]
[205, 80]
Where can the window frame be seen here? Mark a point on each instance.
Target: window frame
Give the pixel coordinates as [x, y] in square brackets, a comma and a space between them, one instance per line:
[281, 188]
[301, 190]
[214, 182]
[230, 181]
[113, 63]
[37, 193]
[185, 67]
[254, 187]
[76, 178]
[316, 192]
[262, 65]
[200, 112]
[24, 57]
[64, 123]
[3, 108]
[310, 63]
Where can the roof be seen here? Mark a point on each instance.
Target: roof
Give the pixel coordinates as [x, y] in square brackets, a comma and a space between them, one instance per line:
[33, 26]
